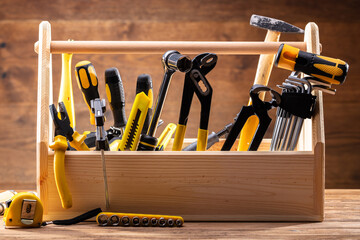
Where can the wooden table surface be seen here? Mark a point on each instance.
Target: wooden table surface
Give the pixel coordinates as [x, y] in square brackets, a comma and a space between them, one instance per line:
[342, 221]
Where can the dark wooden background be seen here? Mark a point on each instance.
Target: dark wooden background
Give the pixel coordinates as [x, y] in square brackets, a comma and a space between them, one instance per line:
[220, 20]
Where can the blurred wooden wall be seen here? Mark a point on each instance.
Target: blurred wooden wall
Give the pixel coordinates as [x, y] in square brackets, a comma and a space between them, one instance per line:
[220, 20]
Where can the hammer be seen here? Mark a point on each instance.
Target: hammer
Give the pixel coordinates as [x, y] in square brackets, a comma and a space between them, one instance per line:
[266, 61]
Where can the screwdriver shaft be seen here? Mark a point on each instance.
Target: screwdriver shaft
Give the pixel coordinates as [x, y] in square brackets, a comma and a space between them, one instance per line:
[105, 179]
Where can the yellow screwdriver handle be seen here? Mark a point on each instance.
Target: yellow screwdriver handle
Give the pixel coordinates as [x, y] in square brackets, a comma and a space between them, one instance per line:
[327, 69]
[60, 146]
[88, 84]
[66, 90]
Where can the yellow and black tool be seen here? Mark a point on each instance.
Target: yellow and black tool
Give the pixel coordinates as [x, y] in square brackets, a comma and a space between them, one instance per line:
[144, 84]
[88, 83]
[116, 96]
[172, 61]
[138, 220]
[64, 132]
[196, 83]
[23, 210]
[326, 69]
[130, 139]
[165, 137]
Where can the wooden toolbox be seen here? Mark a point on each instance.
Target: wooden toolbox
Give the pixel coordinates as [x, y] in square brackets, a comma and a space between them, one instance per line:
[200, 186]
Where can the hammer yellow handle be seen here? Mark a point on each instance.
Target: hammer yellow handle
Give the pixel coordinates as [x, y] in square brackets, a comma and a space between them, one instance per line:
[66, 90]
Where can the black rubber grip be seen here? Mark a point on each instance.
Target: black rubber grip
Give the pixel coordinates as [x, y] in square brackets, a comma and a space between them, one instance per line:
[144, 84]
[116, 96]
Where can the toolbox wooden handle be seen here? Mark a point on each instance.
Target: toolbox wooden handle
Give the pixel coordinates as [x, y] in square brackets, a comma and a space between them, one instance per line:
[159, 47]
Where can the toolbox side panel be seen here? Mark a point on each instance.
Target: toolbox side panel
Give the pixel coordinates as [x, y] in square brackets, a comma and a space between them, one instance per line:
[207, 186]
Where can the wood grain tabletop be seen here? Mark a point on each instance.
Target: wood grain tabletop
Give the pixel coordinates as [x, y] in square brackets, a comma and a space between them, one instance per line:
[342, 221]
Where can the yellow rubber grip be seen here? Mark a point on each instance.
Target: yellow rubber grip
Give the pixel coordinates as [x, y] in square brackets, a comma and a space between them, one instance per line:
[78, 142]
[166, 135]
[114, 146]
[247, 133]
[60, 146]
[202, 139]
[179, 137]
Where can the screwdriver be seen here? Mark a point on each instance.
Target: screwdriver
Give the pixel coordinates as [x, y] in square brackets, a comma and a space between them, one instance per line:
[212, 138]
[88, 84]
[144, 84]
[116, 96]
[327, 69]
[172, 61]
[98, 108]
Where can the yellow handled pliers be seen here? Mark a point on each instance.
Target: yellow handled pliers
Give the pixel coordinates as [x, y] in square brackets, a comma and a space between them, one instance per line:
[64, 132]
[195, 82]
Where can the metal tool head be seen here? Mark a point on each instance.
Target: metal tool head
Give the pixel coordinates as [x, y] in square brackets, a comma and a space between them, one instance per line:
[273, 24]
[62, 126]
[175, 61]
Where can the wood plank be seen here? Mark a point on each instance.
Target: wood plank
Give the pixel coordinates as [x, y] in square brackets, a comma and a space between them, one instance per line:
[341, 222]
[243, 185]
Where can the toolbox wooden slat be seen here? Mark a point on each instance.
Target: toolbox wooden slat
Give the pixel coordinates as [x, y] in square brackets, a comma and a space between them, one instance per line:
[206, 186]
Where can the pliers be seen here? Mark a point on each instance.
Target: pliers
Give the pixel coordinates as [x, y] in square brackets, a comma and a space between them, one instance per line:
[258, 108]
[64, 132]
[196, 82]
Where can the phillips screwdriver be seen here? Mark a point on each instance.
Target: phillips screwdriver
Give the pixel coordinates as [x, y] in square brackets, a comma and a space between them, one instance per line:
[172, 61]
[326, 69]
[144, 84]
[212, 138]
[116, 96]
[88, 84]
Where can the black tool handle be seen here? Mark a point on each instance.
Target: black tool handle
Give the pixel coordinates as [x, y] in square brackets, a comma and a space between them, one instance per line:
[116, 96]
[144, 84]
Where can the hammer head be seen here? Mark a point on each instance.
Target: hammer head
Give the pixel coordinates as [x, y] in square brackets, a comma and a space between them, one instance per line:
[273, 24]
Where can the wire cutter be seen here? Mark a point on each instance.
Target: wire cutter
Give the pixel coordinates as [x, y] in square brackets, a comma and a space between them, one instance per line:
[258, 108]
[196, 82]
[64, 131]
